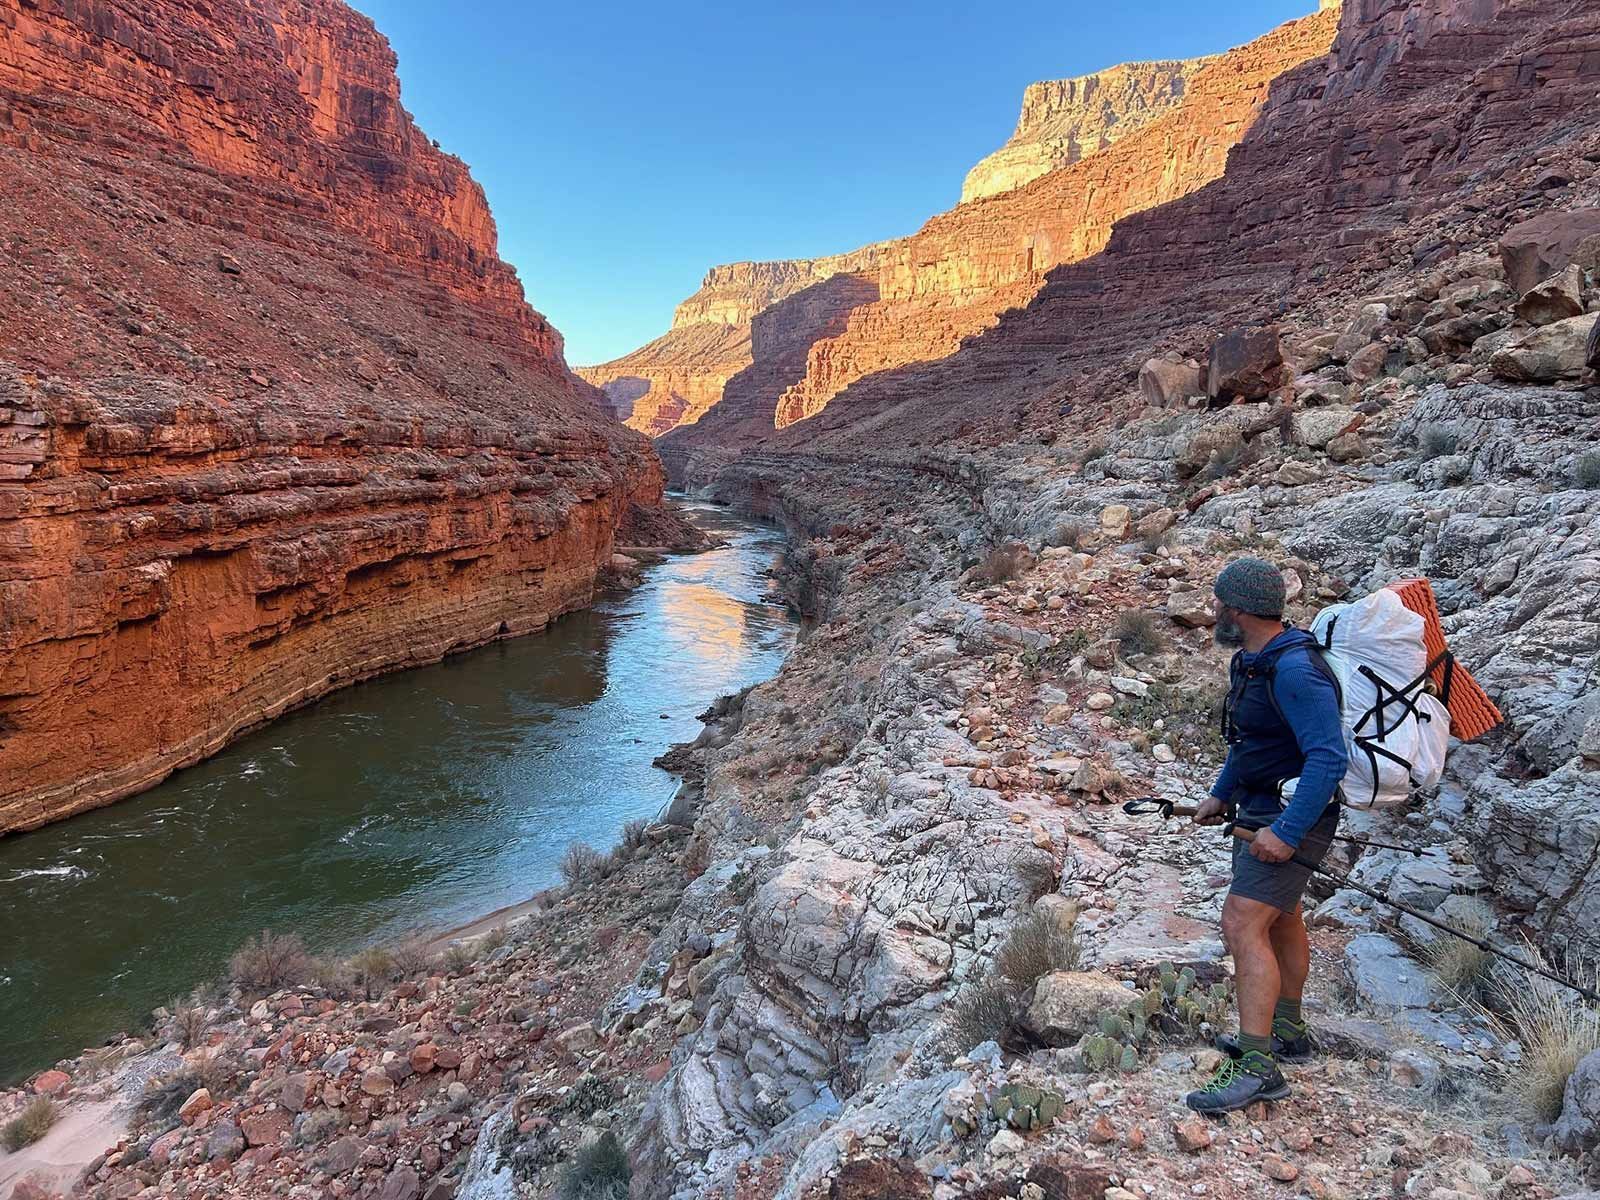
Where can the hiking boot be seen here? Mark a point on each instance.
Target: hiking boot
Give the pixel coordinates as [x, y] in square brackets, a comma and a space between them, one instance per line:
[1291, 1043]
[1243, 1078]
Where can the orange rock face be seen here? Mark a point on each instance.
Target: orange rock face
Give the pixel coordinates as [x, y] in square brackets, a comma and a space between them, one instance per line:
[1086, 153]
[274, 417]
[682, 375]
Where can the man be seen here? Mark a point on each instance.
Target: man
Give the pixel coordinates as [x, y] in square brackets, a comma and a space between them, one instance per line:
[1283, 724]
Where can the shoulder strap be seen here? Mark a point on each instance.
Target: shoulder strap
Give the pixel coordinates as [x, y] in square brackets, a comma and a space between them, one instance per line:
[1314, 652]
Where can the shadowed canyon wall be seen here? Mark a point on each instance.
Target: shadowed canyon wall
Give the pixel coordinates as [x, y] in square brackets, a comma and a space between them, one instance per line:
[274, 416]
[1119, 142]
[679, 377]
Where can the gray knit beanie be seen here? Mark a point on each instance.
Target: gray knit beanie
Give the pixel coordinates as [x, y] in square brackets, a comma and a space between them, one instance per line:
[1251, 585]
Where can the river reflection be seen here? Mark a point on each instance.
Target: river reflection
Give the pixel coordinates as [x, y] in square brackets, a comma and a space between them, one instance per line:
[419, 799]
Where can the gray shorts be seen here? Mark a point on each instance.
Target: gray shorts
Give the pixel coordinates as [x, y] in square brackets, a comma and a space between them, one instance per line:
[1282, 884]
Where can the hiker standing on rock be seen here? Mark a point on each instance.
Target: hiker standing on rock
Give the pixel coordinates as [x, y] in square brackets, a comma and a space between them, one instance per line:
[1282, 722]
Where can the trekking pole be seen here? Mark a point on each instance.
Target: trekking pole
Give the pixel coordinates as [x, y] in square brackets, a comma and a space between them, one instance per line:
[1150, 805]
[1249, 835]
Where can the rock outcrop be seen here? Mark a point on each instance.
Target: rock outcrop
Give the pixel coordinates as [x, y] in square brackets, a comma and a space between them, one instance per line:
[955, 277]
[1064, 120]
[1086, 153]
[274, 416]
[683, 374]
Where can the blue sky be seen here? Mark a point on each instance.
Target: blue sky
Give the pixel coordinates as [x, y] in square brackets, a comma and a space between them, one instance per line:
[628, 146]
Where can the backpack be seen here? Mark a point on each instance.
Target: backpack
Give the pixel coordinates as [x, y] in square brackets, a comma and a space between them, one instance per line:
[1396, 732]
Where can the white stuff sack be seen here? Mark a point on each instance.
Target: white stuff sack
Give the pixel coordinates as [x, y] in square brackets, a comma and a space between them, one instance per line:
[1396, 733]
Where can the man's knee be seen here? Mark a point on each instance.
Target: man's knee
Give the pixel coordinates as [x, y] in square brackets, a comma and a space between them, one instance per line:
[1245, 922]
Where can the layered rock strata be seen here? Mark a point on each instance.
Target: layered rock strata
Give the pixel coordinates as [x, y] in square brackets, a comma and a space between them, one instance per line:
[274, 416]
[1064, 120]
[955, 277]
[678, 378]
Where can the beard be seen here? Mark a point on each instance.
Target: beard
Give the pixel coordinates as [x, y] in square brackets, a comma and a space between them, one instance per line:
[1227, 632]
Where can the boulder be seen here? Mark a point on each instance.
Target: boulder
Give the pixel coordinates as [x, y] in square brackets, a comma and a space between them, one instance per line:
[1536, 249]
[1578, 1128]
[1550, 353]
[402, 1183]
[1316, 427]
[199, 1100]
[1556, 299]
[51, 1083]
[1192, 608]
[295, 1091]
[342, 1156]
[1247, 364]
[1592, 353]
[1068, 1004]
[1167, 384]
[1114, 520]
[1368, 363]
[226, 1142]
[1385, 978]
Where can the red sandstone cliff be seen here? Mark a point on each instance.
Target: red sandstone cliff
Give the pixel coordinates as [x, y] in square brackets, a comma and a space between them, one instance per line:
[1392, 149]
[678, 378]
[274, 416]
[1123, 141]
[1066, 120]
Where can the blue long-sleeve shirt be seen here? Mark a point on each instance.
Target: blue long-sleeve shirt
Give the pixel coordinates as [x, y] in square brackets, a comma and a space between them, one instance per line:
[1309, 703]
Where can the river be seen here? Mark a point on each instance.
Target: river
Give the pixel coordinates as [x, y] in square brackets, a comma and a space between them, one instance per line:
[418, 800]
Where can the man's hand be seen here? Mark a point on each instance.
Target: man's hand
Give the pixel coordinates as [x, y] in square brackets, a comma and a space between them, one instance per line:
[1210, 812]
[1269, 847]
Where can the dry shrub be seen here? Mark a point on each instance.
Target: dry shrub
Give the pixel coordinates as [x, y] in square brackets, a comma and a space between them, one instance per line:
[30, 1125]
[1139, 632]
[1435, 441]
[270, 962]
[1067, 533]
[372, 968]
[1586, 472]
[582, 864]
[458, 956]
[999, 565]
[633, 834]
[1556, 1029]
[1038, 944]
[983, 1012]
[189, 1024]
[412, 957]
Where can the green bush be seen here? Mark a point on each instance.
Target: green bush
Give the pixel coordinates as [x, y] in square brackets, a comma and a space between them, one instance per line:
[29, 1126]
[1139, 632]
[598, 1171]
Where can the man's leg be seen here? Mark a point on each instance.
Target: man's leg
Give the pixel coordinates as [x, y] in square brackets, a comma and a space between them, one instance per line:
[1247, 927]
[1293, 951]
[1249, 1073]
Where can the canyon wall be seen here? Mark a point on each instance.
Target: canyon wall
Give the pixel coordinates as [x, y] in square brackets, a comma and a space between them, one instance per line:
[1064, 120]
[954, 277]
[274, 416]
[678, 378]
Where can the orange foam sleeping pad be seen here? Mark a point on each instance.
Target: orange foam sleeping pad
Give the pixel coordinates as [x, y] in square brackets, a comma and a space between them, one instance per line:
[1472, 713]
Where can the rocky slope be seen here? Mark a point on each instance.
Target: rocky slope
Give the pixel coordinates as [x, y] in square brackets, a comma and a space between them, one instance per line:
[679, 377]
[1064, 120]
[273, 415]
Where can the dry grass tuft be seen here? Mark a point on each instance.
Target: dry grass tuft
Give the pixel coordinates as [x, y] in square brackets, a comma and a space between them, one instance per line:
[1139, 632]
[999, 565]
[30, 1125]
[1557, 1031]
[1465, 969]
[1037, 944]
[983, 1012]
